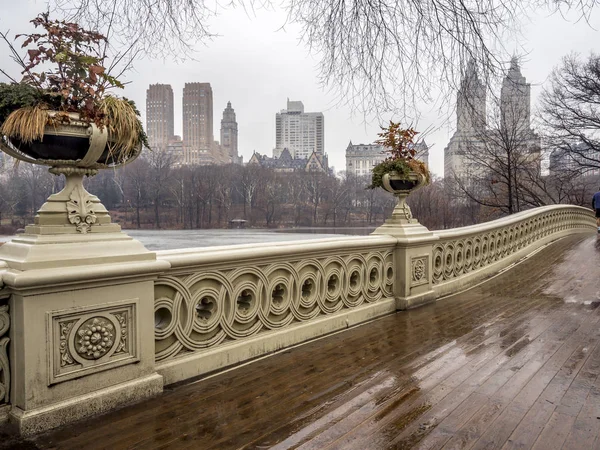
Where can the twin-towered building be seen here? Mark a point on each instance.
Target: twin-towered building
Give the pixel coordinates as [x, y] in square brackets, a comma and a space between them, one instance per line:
[511, 129]
[198, 145]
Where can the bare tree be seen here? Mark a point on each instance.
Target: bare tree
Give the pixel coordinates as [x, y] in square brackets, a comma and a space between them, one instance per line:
[503, 158]
[247, 186]
[136, 179]
[160, 164]
[382, 55]
[570, 110]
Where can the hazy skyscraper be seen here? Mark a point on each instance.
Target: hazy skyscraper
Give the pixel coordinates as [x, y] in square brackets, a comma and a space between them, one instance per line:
[197, 117]
[301, 133]
[515, 99]
[470, 124]
[229, 134]
[160, 125]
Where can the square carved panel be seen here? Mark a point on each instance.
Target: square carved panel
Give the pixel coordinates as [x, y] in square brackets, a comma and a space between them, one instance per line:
[86, 340]
[419, 270]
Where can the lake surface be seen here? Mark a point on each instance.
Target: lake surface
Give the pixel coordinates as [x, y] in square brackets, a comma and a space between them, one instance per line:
[174, 239]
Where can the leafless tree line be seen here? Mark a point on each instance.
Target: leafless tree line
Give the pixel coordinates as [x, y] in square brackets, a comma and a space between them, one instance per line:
[152, 193]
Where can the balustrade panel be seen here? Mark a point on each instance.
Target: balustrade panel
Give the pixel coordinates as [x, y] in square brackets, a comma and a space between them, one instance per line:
[196, 310]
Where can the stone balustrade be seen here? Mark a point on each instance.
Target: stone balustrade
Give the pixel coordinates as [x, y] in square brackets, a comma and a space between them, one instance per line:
[94, 321]
[220, 306]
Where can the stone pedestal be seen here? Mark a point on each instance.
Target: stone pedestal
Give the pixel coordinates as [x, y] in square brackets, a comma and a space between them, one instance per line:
[412, 256]
[82, 314]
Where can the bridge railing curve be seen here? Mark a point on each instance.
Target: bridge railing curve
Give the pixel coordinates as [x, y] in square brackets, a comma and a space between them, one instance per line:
[463, 256]
[91, 322]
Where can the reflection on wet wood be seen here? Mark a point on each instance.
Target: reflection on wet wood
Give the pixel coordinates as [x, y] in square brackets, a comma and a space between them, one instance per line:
[513, 363]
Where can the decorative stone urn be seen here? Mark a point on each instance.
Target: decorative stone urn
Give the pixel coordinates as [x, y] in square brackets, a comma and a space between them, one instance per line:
[401, 187]
[76, 149]
[413, 282]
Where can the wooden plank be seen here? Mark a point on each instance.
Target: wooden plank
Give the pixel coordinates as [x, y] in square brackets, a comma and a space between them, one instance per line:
[502, 428]
[435, 396]
[555, 433]
[569, 385]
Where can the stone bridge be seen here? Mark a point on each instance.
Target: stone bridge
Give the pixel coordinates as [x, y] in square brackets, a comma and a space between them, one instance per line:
[104, 344]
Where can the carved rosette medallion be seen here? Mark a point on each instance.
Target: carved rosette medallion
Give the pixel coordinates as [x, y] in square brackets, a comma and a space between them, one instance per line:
[419, 271]
[4, 363]
[79, 209]
[96, 337]
[89, 340]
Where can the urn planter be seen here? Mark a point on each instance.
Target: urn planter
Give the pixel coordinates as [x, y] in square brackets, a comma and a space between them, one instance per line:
[397, 184]
[401, 186]
[75, 148]
[74, 144]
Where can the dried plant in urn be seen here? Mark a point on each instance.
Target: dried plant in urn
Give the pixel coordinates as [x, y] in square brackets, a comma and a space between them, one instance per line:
[62, 113]
[400, 170]
[400, 173]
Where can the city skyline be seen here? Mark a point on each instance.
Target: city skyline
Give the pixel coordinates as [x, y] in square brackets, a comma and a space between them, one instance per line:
[257, 77]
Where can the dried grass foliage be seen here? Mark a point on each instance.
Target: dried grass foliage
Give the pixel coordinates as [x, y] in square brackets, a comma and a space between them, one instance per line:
[124, 127]
[120, 118]
[26, 124]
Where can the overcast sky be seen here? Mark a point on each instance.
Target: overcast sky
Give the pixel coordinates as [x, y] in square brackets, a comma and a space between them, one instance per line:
[256, 65]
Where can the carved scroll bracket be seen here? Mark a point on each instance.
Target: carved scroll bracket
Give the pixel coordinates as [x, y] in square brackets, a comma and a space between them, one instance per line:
[80, 209]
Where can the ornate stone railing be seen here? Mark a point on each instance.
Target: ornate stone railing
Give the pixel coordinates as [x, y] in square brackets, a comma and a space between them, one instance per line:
[464, 256]
[4, 362]
[220, 306]
[98, 321]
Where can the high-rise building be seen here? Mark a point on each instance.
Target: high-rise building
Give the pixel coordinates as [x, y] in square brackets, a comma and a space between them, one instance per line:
[515, 115]
[301, 133]
[473, 141]
[576, 160]
[160, 124]
[470, 124]
[198, 140]
[229, 134]
[515, 100]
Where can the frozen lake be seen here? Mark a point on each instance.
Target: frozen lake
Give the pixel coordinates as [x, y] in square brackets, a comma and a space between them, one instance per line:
[174, 239]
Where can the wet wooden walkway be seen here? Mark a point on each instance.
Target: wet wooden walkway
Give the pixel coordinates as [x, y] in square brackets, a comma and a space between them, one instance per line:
[513, 363]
